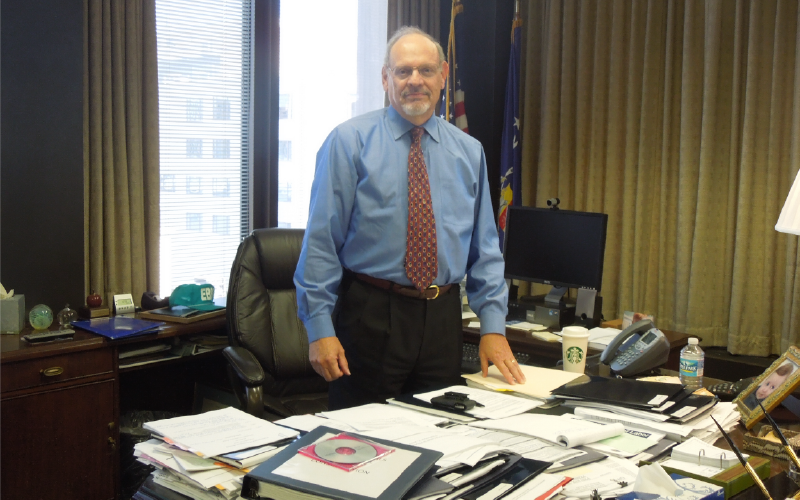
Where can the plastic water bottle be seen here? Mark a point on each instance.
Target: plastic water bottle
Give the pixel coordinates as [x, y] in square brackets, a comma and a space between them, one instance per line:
[693, 361]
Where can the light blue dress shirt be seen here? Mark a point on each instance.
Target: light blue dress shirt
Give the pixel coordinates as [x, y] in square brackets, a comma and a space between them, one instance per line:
[358, 216]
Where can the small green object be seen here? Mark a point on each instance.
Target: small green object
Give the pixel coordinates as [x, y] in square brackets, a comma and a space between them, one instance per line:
[41, 317]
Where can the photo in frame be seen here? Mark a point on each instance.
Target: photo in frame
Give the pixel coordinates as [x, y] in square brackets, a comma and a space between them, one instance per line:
[770, 388]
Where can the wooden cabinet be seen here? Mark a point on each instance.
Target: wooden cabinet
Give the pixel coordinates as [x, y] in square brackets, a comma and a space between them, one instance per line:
[59, 421]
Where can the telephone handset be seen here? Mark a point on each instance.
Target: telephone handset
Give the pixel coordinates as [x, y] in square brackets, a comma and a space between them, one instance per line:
[636, 349]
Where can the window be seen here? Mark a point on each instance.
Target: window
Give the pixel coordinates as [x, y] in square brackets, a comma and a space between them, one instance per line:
[167, 183]
[284, 192]
[283, 106]
[308, 115]
[285, 150]
[204, 61]
[222, 148]
[194, 222]
[194, 185]
[194, 110]
[194, 148]
[221, 186]
[220, 224]
[222, 109]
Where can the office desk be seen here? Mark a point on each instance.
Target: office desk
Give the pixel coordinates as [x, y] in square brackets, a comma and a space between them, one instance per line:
[60, 411]
[548, 353]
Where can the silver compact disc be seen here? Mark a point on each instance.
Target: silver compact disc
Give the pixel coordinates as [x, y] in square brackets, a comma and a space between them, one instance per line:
[345, 451]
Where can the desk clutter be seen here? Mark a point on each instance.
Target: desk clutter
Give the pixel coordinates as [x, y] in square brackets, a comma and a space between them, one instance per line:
[570, 435]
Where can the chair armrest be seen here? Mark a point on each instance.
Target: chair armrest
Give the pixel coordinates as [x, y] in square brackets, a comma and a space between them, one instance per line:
[245, 364]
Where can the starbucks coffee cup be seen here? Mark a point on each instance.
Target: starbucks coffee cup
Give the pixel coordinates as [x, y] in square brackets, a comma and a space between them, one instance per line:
[575, 346]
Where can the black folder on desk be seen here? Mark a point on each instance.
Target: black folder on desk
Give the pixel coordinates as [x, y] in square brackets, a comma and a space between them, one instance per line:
[619, 391]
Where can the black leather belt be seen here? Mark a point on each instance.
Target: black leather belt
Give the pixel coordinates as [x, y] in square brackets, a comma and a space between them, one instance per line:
[429, 293]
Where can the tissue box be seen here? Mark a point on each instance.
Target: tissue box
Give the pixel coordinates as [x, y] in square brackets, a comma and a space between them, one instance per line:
[692, 489]
[12, 314]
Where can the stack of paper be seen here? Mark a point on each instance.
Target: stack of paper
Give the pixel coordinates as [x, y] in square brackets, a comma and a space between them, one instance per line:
[540, 382]
[698, 452]
[209, 454]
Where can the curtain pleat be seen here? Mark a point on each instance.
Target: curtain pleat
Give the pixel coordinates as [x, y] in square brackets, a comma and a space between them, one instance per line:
[121, 148]
[681, 120]
[424, 14]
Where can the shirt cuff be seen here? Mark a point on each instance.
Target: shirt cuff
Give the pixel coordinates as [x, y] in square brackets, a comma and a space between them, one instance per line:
[319, 327]
[492, 322]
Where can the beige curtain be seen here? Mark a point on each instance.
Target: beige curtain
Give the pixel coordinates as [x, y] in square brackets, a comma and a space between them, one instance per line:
[121, 180]
[681, 120]
[424, 14]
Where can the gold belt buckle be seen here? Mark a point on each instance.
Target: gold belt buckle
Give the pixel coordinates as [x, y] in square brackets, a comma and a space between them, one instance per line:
[437, 292]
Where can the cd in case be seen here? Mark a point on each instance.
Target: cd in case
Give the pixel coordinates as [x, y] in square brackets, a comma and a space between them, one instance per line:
[345, 451]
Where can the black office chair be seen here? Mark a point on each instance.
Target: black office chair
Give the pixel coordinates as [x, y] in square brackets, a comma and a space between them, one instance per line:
[268, 357]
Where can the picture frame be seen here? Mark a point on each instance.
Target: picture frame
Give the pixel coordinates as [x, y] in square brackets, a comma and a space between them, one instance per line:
[770, 388]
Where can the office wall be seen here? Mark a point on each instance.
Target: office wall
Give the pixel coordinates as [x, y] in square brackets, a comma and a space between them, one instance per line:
[41, 151]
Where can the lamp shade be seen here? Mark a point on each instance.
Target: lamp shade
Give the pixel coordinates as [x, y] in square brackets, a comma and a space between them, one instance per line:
[789, 220]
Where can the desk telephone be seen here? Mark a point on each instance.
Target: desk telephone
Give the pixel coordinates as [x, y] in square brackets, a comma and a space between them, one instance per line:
[638, 348]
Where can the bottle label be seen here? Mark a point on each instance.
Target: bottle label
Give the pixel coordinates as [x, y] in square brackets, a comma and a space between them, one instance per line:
[692, 367]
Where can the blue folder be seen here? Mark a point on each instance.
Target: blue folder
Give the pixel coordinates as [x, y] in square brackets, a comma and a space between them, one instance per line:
[118, 327]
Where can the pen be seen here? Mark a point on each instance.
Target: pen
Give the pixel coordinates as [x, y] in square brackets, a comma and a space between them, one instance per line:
[744, 463]
[786, 445]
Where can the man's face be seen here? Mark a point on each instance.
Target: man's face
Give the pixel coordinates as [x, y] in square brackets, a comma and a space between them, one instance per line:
[769, 384]
[414, 78]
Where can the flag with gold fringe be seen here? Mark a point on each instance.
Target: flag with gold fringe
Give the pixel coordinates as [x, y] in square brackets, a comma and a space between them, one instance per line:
[454, 96]
[510, 146]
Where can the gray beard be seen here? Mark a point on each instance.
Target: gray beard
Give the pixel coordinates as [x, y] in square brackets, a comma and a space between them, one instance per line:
[416, 109]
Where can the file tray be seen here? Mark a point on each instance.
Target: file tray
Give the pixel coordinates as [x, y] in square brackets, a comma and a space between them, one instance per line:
[733, 479]
[760, 443]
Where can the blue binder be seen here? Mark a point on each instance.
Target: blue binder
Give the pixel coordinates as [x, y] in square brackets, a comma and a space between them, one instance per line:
[118, 327]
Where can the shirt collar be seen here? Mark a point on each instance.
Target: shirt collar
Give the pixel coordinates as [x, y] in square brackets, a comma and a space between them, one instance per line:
[400, 126]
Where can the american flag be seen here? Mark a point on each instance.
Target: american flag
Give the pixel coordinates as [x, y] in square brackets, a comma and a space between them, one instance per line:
[510, 147]
[454, 98]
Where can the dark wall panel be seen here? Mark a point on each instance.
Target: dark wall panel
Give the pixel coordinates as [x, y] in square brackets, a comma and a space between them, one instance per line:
[41, 151]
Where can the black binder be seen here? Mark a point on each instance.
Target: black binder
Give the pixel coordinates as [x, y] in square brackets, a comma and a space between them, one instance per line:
[625, 392]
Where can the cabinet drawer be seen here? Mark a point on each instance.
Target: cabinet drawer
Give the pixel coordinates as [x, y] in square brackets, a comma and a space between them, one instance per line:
[49, 370]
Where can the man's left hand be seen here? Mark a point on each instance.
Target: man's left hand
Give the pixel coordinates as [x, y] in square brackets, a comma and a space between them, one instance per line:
[494, 347]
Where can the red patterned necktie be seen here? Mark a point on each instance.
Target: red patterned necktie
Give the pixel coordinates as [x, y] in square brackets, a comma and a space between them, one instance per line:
[421, 261]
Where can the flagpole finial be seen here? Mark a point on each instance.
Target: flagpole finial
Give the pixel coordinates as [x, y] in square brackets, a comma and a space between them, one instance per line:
[516, 8]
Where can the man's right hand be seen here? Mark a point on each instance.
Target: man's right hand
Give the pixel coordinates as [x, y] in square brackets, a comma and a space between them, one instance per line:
[327, 358]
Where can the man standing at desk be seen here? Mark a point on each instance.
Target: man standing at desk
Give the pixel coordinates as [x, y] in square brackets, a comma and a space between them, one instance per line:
[377, 289]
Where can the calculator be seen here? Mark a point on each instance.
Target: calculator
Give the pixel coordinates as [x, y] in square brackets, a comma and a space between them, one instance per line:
[727, 391]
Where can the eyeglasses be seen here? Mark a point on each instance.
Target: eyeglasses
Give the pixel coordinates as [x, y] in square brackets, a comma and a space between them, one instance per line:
[404, 72]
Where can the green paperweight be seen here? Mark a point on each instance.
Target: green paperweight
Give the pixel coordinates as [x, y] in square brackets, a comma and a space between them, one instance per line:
[41, 317]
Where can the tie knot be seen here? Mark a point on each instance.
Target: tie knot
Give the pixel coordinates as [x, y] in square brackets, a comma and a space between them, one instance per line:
[417, 132]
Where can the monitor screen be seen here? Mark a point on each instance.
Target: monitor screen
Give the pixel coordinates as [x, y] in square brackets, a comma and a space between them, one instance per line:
[555, 247]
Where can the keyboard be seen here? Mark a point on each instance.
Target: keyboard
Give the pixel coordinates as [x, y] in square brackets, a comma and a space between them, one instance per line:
[471, 360]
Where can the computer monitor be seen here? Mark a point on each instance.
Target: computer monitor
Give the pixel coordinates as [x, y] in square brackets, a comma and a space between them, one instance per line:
[561, 248]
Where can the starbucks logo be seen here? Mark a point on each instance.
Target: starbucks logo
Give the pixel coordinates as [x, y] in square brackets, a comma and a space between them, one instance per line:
[574, 355]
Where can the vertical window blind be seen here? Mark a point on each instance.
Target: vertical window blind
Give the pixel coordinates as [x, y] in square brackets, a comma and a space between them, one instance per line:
[204, 61]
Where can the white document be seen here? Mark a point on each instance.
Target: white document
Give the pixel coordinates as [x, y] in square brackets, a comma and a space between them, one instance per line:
[527, 446]
[307, 423]
[468, 315]
[604, 476]
[377, 415]
[370, 480]
[622, 410]
[455, 447]
[568, 432]
[495, 405]
[599, 338]
[190, 462]
[160, 454]
[539, 381]
[526, 326]
[219, 431]
[674, 432]
[432, 411]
